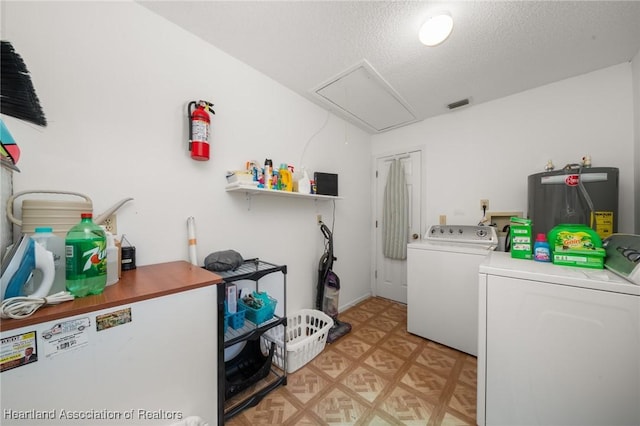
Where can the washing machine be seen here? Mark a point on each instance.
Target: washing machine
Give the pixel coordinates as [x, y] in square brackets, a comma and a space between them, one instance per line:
[442, 284]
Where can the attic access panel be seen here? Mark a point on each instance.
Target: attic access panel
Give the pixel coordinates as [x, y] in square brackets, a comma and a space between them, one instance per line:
[361, 94]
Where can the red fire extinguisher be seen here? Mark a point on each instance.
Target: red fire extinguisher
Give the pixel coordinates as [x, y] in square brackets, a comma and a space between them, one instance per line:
[199, 125]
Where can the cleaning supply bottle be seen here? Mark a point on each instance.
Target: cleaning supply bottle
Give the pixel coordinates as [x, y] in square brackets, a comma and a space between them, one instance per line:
[304, 184]
[55, 244]
[286, 178]
[112, 257]
[268, 173]
[541, 250]
[86, 258]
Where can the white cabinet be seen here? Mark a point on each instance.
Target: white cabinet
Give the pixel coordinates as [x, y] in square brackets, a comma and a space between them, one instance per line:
[558, 346]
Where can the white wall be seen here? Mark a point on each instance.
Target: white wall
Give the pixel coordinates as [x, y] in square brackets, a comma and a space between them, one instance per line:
[488, 150]
[635, 67]
[114, 81]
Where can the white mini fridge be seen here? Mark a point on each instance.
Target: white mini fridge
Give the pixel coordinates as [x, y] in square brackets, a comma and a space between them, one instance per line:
[152, 362]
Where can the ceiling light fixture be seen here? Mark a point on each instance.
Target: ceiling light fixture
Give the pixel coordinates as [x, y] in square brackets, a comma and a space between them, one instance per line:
[436, 29]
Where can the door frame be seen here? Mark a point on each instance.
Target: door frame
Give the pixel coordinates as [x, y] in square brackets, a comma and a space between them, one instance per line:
[374, 202]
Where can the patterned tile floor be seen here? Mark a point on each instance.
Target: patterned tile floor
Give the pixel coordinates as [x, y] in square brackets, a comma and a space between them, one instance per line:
[376, 375]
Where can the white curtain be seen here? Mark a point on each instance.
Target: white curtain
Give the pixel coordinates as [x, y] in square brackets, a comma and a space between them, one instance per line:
[395, 217]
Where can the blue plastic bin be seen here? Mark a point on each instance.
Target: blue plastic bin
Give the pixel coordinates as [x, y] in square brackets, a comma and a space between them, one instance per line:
[258, 316]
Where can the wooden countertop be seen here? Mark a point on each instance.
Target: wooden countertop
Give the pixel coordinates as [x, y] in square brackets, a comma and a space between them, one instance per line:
[142, 283]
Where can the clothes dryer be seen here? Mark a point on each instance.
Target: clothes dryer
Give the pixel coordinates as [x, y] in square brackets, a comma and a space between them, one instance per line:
[558, 345]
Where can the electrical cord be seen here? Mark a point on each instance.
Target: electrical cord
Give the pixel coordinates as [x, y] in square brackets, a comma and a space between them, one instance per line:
[304, 150]
[22, 307]
[484, 216]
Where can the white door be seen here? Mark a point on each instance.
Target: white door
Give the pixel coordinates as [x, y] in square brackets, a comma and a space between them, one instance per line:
[391, 274]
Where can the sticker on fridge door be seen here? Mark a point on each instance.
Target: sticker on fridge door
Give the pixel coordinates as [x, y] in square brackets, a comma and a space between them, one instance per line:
[66, 336]
[113, 319]
[18, 350]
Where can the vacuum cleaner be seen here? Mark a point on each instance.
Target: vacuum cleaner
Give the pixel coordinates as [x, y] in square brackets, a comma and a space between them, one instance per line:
[329, 288]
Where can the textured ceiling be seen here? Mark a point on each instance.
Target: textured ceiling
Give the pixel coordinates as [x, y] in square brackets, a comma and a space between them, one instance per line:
[496, 48]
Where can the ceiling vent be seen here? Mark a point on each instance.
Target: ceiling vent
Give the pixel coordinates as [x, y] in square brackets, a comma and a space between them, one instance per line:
[362, 96]
[458, 104]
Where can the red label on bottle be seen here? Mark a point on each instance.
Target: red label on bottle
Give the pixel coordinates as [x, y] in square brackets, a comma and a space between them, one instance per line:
[572, 180]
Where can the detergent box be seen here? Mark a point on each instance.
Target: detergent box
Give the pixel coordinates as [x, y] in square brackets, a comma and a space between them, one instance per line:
[521, 241]
[576, 245]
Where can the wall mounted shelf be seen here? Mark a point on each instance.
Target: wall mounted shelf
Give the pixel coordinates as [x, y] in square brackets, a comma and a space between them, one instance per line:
[250, 190]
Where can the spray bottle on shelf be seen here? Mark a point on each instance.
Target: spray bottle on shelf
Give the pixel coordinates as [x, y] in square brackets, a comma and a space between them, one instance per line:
[304, 184]
[112, 258]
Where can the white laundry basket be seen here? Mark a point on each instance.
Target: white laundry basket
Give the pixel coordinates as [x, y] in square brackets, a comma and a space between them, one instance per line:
[307, 332]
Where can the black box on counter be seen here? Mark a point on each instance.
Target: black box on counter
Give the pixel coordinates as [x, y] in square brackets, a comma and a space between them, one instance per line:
[326, 183]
